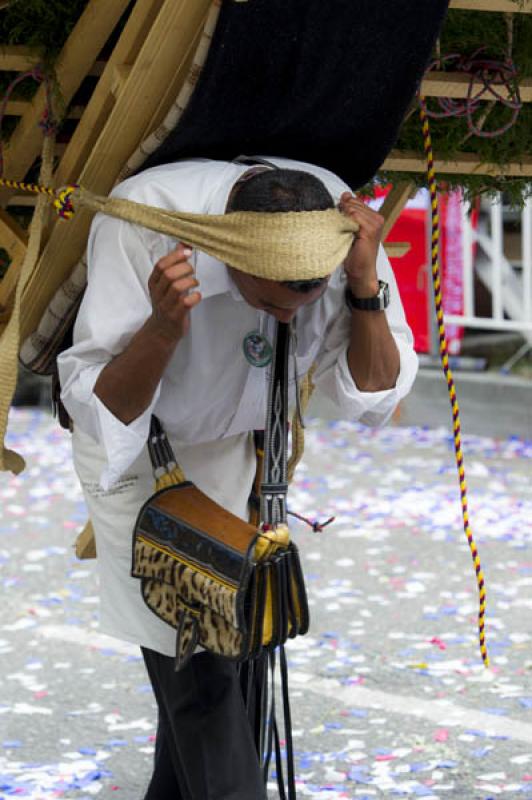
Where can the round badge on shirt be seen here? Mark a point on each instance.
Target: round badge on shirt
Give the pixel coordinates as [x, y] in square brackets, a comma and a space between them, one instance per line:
[257, 349]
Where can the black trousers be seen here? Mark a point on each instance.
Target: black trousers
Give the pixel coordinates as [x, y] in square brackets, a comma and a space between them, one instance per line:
[204, 748]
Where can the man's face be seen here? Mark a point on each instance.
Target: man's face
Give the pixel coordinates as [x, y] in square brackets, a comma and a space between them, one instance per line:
[273, 297]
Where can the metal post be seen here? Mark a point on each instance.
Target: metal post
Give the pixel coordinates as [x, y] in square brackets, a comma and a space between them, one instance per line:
[526, 243]
[467, 246]
[496, 259]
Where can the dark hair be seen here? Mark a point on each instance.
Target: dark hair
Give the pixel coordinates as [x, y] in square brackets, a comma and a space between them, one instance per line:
[283, 190]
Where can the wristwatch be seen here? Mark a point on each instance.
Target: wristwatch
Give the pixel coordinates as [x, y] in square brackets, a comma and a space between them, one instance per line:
[378, 302]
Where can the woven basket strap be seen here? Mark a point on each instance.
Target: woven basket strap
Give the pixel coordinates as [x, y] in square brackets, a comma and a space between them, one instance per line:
[11, 335]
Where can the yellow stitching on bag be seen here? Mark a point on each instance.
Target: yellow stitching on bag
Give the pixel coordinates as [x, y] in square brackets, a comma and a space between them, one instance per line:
[188, 564]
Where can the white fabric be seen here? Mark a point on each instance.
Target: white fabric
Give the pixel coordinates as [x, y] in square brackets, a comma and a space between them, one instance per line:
[223, 469]
[209, 397]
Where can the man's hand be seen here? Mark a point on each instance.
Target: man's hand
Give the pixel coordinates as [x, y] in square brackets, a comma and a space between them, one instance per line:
[361, 262]
[151, 348]
[170, 286]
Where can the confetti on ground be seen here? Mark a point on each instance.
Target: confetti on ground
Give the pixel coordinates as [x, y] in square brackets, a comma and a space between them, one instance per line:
[389, 696]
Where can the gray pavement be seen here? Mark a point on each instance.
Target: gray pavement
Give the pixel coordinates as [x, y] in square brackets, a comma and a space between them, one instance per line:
[389, 694]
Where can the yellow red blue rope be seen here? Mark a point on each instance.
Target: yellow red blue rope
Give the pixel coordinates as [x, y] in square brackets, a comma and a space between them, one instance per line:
[61, 198]
[444, 356]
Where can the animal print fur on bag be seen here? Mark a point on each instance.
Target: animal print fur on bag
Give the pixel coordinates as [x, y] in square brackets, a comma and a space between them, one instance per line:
[194, 588]
[202, 611]
[214, 632]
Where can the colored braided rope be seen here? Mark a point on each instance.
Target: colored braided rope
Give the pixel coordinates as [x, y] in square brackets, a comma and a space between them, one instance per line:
[47, 122]
[498, 82]
[62, 199]
[444, 355]
[27, 187]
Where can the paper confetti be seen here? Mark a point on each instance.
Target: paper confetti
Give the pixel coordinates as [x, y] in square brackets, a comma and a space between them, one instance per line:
[389, 698]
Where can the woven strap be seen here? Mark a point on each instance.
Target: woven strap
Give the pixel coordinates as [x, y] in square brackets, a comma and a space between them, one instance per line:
[274, 486]
[10, 341]
[289, 245]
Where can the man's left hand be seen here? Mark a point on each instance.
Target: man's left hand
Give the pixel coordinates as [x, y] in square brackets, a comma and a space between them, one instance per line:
[361, 262]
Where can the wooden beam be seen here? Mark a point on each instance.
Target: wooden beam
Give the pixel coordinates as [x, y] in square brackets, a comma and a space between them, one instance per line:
[394, 203]
[170, 36]
[77, 57]
[397, 249]
[103, 99]
[464, 164]
[456, 85]
[22, 200]
[524, 7]
[17, 108]
[17, 58]
[14, 240]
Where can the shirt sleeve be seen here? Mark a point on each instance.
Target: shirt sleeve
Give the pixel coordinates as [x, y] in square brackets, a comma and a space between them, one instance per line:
[333, 377]
[115, 306]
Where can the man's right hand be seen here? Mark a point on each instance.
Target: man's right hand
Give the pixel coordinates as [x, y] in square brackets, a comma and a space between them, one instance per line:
[170, 286]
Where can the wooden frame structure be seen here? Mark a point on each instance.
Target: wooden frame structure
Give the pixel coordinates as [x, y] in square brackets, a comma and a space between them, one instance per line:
[127, 104]
[455, 85]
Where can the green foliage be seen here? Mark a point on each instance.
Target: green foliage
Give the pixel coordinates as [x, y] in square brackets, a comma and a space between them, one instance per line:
[40, 24]
[464, 33]
[43, 26]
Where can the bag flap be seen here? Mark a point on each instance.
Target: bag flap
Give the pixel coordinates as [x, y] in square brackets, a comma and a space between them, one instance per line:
[198, 532]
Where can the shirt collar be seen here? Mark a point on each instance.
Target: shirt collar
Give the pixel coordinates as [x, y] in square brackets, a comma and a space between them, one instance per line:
[214, 278]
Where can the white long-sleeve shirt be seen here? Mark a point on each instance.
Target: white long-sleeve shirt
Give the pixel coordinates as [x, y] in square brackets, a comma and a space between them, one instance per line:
[209, 390]
[209, 397]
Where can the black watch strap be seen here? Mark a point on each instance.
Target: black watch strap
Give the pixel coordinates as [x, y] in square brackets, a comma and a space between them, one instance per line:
[379, 302]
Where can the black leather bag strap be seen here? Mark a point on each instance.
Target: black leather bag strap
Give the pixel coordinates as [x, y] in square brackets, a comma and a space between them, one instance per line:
[273, 493]
[291, 779]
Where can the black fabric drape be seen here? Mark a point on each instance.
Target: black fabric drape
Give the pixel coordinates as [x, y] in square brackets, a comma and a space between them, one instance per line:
[325, 81]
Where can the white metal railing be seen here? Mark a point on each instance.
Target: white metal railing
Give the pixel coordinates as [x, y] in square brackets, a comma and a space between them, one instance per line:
[510, 287]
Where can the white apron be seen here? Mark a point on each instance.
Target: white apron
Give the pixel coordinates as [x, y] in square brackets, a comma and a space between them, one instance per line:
[223, 469]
